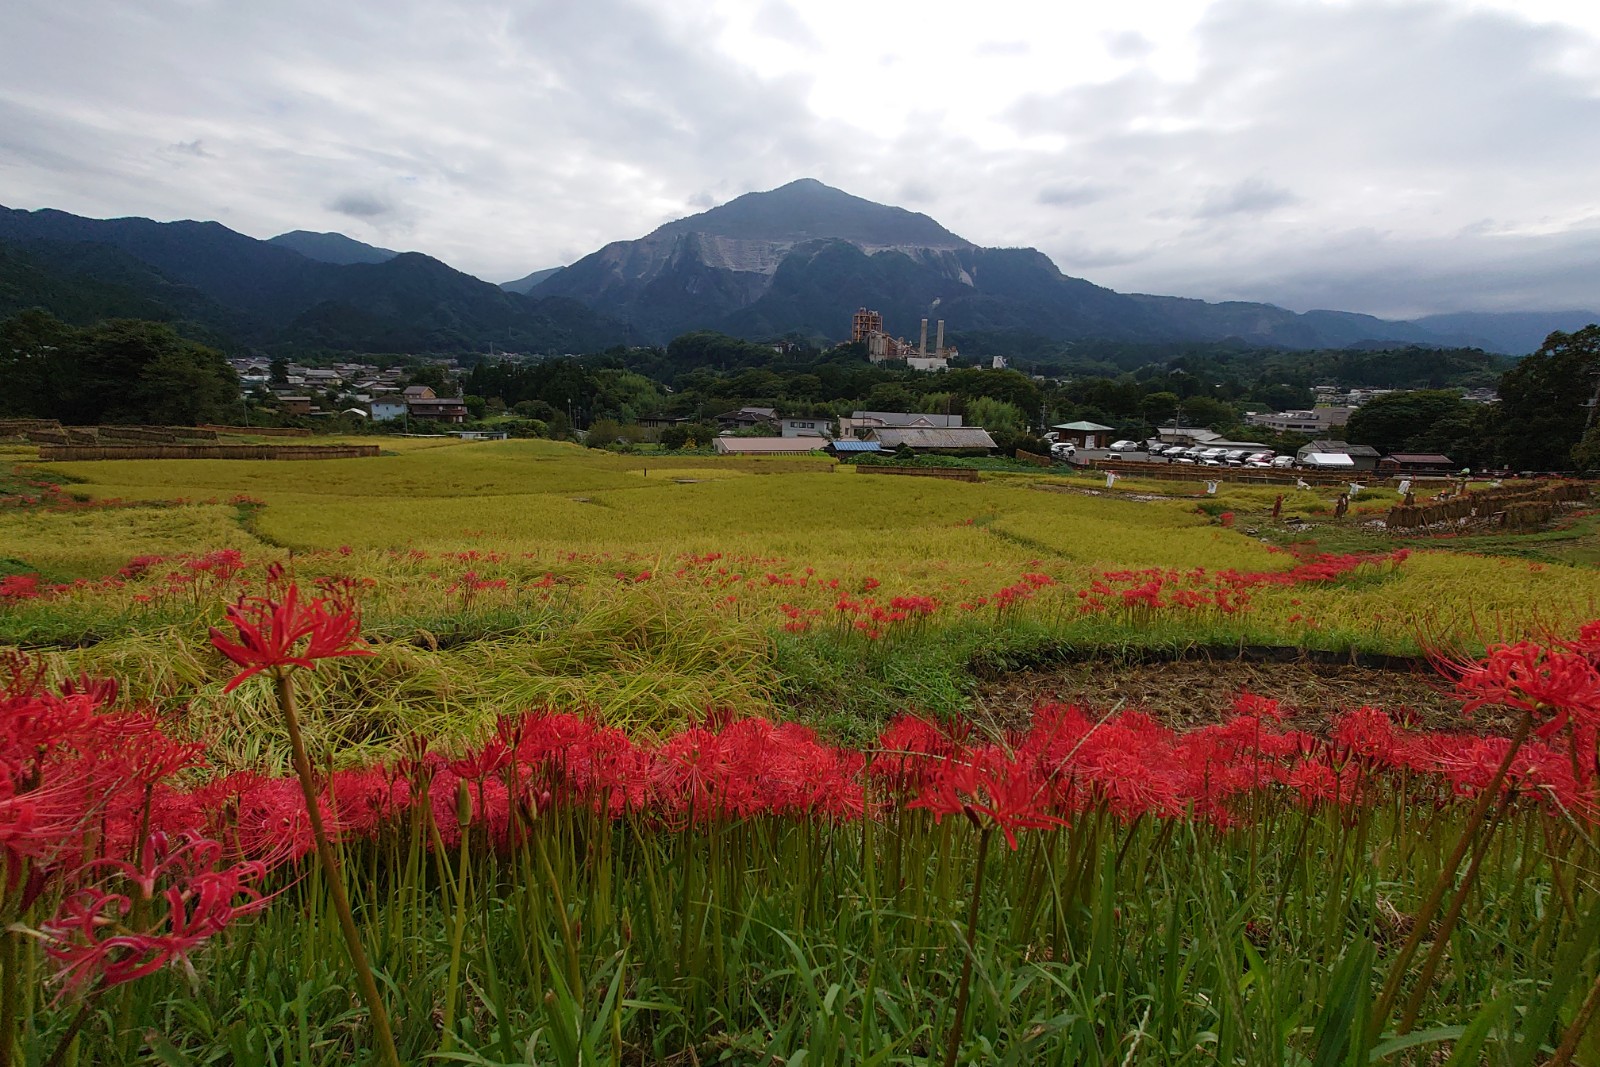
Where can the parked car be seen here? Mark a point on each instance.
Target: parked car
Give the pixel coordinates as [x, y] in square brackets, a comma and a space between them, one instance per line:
[1218, 454]
[1283, 463]
[1126, 446]
[1062, 449]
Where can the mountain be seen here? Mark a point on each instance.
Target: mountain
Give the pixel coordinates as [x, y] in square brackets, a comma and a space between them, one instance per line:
[331, 247]
[264, 294]
[803, 257]
[794, 260]
[528, 281]
[1513, 332]
[83, 283]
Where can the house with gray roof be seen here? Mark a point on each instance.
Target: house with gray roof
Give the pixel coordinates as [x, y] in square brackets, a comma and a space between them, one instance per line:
[860, 422]
[940, 439]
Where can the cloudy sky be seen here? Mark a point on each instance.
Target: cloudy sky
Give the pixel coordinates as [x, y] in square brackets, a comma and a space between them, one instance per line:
[1390, 156]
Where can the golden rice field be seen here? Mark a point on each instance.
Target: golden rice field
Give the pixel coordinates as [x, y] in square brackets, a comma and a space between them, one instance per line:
[494, 576]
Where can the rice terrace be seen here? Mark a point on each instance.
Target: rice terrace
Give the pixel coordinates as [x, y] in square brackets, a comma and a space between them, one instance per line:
[518, 752]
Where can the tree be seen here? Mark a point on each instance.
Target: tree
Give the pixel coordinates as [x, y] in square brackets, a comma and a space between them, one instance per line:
[1160, 407]
[124, 370]
[995, 415]
[1406, 422]
[1546, 402]
[278, 371]
[681, 435]
[29, 342]
[1204, 411]
[433, 376]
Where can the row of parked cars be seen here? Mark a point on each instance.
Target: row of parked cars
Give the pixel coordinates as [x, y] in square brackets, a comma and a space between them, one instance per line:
[1202, 456]
[1223, 457]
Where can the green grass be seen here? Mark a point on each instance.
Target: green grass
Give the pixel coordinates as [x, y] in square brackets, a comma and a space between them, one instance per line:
[767, 941]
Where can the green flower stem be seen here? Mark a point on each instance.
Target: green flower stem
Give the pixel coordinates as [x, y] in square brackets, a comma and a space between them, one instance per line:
[283, 682]
[953, 1043]
[10, 990]
[1447, 874]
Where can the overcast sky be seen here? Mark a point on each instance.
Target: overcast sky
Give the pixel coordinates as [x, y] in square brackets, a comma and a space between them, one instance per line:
[1396, 157]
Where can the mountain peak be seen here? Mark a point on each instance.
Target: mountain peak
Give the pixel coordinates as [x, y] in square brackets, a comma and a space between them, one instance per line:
[808, 210]
[331, 247]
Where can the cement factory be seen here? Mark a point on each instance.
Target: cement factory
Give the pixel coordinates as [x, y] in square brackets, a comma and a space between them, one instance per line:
[868, 326]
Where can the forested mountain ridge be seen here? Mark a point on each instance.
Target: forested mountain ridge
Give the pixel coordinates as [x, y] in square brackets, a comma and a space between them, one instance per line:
[265, 295]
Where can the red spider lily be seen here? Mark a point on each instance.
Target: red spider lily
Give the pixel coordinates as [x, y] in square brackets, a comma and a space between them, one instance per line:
[88, 937]
[1542, 681]
[1260, 707]
[270, 632]
[268, 817]
[365, 800]
[1013, 799]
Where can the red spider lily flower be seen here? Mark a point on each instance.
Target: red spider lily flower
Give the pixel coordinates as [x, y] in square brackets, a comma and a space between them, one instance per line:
[1531, 678]
[88, 938]
[1256, 706]
[486, 761]
[269, 820]
[1013, 800]
[270, 632]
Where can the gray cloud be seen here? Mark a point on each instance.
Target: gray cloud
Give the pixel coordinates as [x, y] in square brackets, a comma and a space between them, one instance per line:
[1070, 194]
[1253, 196]
[362, 205]
[1390, 156]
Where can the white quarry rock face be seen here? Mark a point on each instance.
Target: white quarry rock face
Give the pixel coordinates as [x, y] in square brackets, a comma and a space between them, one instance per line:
[648, 256]
[733, 253]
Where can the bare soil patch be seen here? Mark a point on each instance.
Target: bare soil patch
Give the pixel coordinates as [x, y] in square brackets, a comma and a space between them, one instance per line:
[1189, 693]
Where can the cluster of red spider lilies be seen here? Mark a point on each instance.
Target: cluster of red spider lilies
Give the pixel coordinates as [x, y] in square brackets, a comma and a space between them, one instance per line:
[95, 823]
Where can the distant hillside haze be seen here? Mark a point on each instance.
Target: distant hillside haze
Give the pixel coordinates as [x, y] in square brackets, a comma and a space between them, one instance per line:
[332, 247]
[1513, 332]
[528, 281]
[793, 261]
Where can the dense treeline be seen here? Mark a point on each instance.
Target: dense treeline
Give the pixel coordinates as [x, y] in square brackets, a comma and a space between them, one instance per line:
[136, 371]
[1137, 387]
[118, 371]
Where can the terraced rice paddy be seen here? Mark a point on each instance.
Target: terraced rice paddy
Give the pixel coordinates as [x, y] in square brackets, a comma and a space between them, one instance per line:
[763, 761]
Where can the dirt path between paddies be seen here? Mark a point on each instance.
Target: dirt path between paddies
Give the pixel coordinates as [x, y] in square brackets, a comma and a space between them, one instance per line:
[1192, 693]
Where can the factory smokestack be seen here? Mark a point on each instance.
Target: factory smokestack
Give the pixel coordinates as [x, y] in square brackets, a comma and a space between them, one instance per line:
[922, 345]
[938, 346]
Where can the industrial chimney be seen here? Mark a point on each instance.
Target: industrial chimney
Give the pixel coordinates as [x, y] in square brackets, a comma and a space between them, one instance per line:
[922, 345]
[938, 347]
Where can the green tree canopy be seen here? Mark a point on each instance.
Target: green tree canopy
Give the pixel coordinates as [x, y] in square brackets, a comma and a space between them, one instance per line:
[1545, 401]
[124, 370]
[1404, 422]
